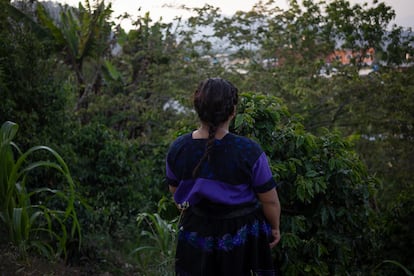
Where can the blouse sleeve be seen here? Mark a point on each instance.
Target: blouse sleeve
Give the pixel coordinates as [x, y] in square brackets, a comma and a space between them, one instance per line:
[262, 175]
[172, 180]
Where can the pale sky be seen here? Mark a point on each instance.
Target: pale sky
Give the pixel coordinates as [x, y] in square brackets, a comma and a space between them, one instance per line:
[404, 8]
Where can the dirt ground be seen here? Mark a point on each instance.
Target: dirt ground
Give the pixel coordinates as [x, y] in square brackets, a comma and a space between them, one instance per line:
[11, 264]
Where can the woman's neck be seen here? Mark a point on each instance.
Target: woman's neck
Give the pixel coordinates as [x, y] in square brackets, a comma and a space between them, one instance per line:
[202, 131]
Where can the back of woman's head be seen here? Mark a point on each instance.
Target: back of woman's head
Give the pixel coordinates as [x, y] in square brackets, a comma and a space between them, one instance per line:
[215, 100]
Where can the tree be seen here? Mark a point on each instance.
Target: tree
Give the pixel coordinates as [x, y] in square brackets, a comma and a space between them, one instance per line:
[33, 87]
[359, 27]
[386, 139]
[84, 37]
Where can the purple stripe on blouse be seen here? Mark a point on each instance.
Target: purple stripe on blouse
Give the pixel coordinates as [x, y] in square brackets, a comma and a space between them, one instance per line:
[192, 191]
[261, 172]
[169, 172]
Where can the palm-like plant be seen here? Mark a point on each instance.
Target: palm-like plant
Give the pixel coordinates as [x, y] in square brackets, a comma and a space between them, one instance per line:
[83, 34]
[34, 225]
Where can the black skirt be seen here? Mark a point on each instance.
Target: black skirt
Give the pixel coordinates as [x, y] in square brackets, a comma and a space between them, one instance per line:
[224, 240]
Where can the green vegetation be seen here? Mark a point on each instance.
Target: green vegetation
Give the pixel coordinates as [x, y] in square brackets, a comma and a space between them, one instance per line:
[158, 255]
[325, 192]
[107, 102]
[30, 218]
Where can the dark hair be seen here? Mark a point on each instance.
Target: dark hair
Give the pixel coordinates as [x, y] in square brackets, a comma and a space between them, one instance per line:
[214, 102]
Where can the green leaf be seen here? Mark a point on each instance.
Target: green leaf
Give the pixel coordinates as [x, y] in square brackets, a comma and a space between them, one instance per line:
[311, 173]
[112, 71]
[290, 240]
[238, 121]
[300, 139]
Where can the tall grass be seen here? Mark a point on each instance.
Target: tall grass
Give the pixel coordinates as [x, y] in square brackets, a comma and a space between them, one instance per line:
[396, 264]
[156, 251]
[35, 225]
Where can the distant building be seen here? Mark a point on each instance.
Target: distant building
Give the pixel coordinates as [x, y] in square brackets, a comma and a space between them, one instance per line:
[347, 56]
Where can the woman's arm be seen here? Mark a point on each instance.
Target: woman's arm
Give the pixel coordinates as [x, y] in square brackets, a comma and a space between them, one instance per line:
[172, 189]
[271, 209]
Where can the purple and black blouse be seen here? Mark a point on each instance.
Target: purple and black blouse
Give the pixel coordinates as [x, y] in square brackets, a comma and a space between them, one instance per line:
[236, 171]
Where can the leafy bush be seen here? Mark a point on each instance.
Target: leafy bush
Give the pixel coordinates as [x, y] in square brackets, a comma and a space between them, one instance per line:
[29, 67]
[397, 236]
[326, 194]
[120, 178]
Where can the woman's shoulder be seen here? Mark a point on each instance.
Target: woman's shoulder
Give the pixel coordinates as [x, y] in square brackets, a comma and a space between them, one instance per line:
[244, 142]
[242, 139]
[181, 143]
[181, 140]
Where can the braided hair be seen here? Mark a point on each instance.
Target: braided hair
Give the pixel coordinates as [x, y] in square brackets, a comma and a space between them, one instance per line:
[214, 102]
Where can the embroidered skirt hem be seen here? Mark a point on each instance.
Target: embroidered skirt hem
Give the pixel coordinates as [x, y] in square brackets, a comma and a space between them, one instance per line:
[224, 245]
